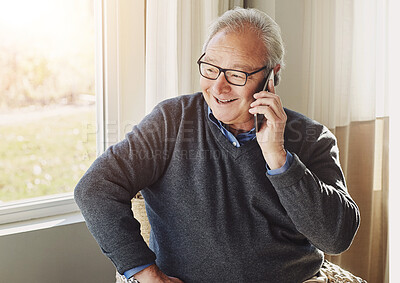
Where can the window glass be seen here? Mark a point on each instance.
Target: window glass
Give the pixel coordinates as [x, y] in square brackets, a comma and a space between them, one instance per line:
[47, 99]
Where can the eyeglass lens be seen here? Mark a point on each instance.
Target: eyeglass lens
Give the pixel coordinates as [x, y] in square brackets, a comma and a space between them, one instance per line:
[211, 72]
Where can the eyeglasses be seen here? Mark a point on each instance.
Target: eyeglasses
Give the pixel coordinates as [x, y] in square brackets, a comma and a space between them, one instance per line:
[234, 77]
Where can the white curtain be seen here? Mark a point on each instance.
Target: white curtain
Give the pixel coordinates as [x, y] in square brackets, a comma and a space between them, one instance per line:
[344, 60]
[175, 33]
[345, 66]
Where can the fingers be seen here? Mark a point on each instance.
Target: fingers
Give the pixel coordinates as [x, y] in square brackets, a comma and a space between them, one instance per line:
[269, 105]
[273, 102]
[271, 87]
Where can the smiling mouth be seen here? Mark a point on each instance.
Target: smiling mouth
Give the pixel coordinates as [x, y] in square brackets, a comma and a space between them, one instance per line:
[223, 101]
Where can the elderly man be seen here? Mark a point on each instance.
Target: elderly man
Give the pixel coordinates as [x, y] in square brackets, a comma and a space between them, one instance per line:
[226, 203]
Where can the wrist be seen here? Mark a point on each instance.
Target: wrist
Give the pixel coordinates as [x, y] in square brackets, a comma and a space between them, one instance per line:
[275, 159]
[150, 274]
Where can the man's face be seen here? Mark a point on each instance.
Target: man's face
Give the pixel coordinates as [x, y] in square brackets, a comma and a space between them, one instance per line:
[240, 51]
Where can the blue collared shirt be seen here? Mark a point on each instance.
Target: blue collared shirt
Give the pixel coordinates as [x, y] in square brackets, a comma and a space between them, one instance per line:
[237, 141]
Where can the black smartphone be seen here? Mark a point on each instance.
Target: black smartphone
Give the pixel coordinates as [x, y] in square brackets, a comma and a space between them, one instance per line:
[258, 118]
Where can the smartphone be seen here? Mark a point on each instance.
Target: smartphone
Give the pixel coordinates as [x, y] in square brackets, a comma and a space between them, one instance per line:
[258, 118]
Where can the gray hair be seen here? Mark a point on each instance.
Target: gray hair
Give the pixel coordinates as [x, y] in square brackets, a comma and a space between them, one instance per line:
[240, 19]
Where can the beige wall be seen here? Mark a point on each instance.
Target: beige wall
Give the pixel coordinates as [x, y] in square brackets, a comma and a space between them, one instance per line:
[64, 254]
[289, 15]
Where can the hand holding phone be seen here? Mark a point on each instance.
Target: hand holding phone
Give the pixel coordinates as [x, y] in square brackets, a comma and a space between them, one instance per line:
[270, 132]
[258, 120]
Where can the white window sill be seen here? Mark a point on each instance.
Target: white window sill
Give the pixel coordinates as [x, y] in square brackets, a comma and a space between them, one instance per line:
[38, 213]
[41, 223]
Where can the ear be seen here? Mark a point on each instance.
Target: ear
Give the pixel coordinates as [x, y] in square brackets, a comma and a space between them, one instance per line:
[277, 68]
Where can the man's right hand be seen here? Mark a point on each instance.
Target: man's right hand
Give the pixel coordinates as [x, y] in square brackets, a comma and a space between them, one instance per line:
[153, 274]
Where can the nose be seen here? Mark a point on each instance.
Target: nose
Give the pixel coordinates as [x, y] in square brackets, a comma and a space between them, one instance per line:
[221, 85]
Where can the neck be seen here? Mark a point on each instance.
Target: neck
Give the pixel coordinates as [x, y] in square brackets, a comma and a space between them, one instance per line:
[236, 130]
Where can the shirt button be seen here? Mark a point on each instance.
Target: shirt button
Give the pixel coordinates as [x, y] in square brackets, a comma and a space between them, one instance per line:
[234, 143]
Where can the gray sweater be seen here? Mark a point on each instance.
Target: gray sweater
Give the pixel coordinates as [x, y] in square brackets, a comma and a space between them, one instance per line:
[215, 214]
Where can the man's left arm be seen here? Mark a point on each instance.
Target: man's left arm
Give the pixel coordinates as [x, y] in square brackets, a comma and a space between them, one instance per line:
[314, 195]
[316, 198]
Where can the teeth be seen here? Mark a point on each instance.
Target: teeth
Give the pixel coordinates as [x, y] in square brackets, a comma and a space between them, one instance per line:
[225, 100]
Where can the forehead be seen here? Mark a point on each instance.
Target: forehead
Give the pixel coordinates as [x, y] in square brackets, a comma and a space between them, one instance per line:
[236, 49]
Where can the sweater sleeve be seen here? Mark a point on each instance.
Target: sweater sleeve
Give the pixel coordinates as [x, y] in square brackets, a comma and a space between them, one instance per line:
[105, 191]
[314, 194]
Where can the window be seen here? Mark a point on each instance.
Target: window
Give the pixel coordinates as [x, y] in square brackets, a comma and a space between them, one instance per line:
[111, 38]
[47, 96]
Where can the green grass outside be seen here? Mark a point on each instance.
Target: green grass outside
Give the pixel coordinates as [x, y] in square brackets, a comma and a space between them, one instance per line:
[46, 156]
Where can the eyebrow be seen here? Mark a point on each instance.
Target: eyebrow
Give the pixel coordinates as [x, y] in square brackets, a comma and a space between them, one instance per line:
[239, 67]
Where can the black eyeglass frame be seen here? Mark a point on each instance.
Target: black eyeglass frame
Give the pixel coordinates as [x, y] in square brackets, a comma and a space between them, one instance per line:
[222, 70]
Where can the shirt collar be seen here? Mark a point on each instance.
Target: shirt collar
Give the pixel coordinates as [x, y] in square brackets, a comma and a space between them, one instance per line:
[240, 139]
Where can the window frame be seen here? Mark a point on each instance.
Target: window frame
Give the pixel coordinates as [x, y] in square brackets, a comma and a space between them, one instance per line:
[115, 63]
